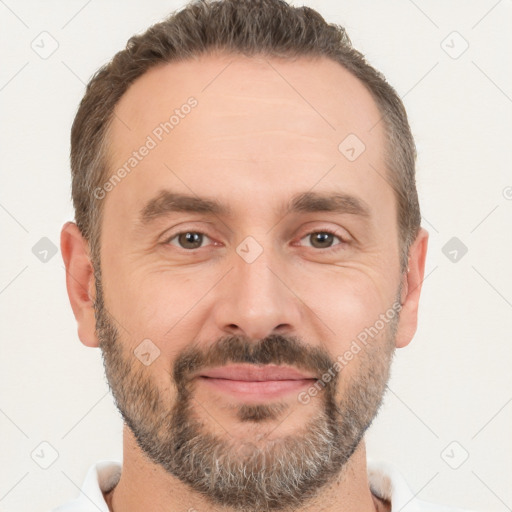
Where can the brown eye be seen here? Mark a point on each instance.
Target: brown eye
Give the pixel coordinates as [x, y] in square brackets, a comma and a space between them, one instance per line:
[323, 239]
[188, 239]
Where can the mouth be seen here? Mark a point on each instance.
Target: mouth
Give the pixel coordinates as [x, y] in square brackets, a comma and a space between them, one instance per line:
[256, 382]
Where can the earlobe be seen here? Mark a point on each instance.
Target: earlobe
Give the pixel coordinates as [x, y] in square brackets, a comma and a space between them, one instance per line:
[411, 289]
[80, 282]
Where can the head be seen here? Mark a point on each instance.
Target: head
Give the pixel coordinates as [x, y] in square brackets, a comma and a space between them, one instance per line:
[244, 189]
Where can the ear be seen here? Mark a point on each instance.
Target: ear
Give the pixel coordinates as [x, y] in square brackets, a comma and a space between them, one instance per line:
[80, 282]
[412, 281]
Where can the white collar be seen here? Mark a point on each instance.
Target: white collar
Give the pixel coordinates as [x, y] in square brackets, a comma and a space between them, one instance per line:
[385, 481]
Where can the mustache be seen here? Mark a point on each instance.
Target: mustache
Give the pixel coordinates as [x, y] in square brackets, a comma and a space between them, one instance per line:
[273, 349]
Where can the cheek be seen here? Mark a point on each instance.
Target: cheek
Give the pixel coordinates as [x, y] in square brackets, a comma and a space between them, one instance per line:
[156, 306]
[346, 302]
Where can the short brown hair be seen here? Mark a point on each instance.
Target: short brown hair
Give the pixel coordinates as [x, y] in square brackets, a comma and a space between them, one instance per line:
[251, 27]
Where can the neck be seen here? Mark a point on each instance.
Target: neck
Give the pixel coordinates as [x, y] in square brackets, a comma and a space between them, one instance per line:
[147, 486]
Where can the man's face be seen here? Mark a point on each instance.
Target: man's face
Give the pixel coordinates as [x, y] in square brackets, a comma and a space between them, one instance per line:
[259, 281]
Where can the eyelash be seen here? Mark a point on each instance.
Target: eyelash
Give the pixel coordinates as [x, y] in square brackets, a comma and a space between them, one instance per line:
[326, 230]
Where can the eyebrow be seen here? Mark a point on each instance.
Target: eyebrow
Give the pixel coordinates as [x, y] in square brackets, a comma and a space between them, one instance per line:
[166, 202]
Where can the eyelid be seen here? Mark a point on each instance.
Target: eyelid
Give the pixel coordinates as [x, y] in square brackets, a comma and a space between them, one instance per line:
[182, 228]
[341, 234]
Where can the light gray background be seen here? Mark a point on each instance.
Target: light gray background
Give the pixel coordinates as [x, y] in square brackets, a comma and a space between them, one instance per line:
[452, 383]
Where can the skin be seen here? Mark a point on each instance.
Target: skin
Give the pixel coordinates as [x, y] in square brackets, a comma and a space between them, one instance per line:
[263, 131]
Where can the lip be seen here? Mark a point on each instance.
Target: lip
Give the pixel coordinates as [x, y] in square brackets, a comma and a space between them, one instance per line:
[256, 390]
[254, 373]
[255, 383]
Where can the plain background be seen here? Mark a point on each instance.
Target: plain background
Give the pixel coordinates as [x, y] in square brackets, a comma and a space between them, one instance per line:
[450, 394]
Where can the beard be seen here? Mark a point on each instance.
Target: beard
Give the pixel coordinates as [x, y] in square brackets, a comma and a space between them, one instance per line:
[252, 474]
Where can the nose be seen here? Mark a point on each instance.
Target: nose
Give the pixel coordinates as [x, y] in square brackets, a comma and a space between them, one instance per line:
[257, 300]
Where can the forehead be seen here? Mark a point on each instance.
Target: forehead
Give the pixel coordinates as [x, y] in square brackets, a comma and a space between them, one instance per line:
[257, 126]
[306, 97]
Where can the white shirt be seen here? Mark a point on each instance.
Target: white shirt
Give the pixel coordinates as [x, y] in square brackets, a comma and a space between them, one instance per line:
[384, 479]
